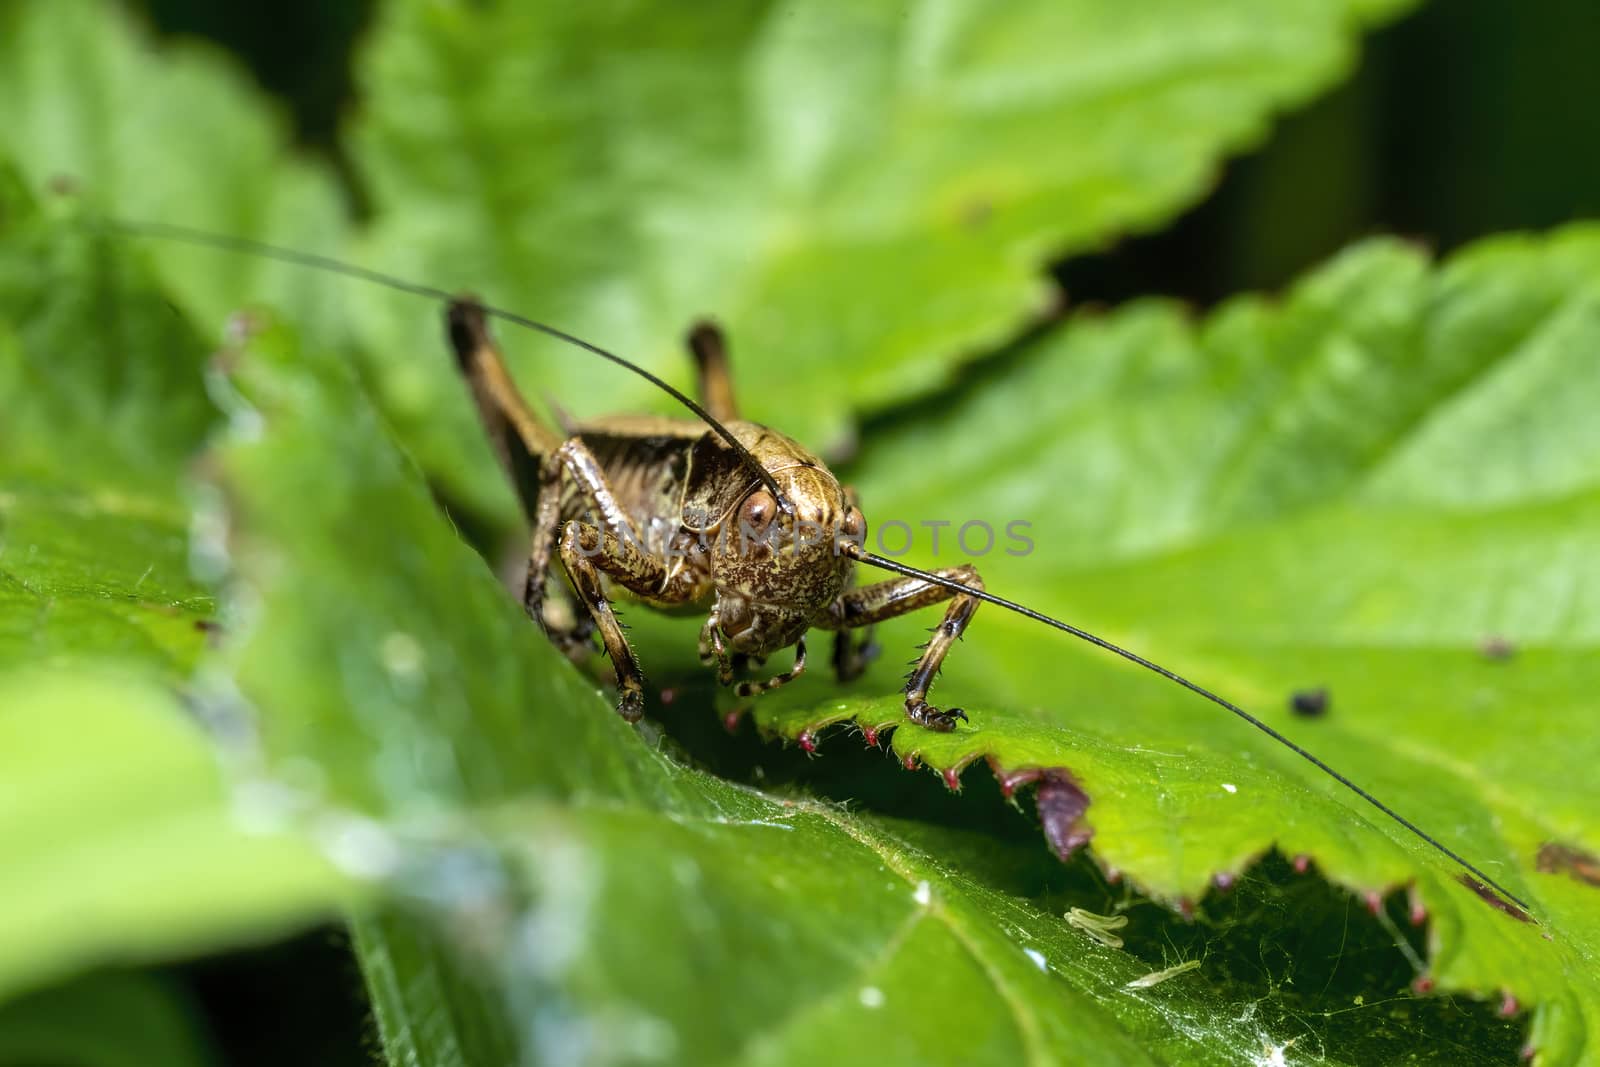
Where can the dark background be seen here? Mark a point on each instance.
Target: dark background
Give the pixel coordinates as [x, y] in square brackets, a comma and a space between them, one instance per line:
[1468, 118]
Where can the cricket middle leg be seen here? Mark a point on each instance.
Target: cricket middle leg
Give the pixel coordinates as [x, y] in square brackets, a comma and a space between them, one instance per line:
[587, 552]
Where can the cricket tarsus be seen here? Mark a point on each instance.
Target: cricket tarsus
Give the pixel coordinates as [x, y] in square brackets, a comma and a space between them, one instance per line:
[591, 496]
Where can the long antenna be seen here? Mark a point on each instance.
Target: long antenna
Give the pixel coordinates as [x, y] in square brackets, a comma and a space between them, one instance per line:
[186, 235]
[167, 231]
[851, 549]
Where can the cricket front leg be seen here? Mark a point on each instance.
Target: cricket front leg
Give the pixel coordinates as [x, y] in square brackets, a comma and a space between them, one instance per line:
[571, 463]
[587, 552]
[898, 596]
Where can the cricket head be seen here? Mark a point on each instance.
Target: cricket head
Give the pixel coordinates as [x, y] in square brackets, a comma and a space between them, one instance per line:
[776, 563]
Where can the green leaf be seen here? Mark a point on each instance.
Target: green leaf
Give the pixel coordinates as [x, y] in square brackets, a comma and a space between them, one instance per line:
[89, 108]
[119, 840]
[117, 833]
[431, 1005]
[864, 194]
[136, 1021]
[1344, 489]
[105, 404]
[578, 895]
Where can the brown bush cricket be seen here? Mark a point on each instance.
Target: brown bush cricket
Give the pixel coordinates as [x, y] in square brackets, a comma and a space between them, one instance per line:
[714, 514]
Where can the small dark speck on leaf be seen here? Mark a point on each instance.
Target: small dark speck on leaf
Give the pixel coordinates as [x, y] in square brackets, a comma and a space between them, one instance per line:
[212, 630]
[1554, 858]
[1309, 703]
[1497, 648]
[977, 213]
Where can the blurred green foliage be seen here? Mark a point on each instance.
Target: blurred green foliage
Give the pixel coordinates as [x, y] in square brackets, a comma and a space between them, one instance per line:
[1465, 119]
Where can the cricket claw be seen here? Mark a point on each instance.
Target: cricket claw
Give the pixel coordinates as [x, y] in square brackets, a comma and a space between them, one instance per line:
[933, 718]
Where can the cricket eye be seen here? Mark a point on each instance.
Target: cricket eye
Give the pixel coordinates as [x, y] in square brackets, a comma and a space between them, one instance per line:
[854, 524]
[756, 513]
